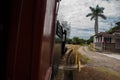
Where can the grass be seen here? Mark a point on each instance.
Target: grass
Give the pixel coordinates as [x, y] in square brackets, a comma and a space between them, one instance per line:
[114, 75]
[91, 48]
[88, 73]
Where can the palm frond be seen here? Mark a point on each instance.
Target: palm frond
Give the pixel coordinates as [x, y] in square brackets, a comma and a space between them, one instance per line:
[92, 17]
[92, 9]
[89, 14]
[102, 8]
[99, 9]
[102, 16]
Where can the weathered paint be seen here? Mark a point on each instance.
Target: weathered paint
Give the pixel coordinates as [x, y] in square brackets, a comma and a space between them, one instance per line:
[48, 39]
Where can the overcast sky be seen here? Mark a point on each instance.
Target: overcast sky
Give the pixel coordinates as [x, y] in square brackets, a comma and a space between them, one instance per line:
[75, 11]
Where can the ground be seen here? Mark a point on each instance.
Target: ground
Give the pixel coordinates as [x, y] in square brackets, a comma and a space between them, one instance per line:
[100, 60]
[99, 67]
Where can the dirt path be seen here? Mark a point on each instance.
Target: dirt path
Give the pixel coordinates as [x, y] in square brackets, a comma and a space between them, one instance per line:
[99, 60]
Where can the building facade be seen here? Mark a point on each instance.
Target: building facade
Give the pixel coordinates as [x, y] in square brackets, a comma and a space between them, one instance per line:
[107, 42]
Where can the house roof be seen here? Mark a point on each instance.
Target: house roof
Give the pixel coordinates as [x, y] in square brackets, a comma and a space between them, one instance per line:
[104, 34]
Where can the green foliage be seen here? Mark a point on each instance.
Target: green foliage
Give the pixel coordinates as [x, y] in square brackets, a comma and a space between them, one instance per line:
[77, 40]
[98, 11]
[114, 75]
[95, 13]
[69, 41]
[84, 59]
[91, 47]
[90, 40]
[112, 30]
[88, 73]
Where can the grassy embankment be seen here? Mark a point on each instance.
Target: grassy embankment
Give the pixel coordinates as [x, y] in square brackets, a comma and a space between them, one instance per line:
[91, 48]
[96, 73]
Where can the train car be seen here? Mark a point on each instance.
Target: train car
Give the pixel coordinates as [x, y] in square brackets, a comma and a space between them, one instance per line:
[59, 48]
[27, 35]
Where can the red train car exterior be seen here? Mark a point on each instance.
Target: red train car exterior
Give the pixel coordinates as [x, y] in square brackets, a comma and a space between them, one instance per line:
[31, 29]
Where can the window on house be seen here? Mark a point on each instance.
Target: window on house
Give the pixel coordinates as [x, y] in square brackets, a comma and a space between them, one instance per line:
[107, 40]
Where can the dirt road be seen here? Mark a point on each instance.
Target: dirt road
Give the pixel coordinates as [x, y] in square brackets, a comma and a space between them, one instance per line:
[100, 60]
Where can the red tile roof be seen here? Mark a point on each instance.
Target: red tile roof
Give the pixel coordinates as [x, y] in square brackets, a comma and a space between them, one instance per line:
[104, 34]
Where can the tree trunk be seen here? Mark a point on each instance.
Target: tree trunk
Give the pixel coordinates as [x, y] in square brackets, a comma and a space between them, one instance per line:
[96, 25]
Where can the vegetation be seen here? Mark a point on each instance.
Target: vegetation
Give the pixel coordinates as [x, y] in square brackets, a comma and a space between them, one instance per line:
[90, 40]
[107, 72]
[76, 40]
[69, 41]
[95, 13]
[112, 30]
[91, 47]
[84, 59]
[88, 73]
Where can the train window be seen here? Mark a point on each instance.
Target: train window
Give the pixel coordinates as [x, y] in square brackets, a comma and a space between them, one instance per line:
[59, 30]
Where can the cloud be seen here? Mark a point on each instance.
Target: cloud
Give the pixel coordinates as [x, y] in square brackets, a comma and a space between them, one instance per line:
[75, 11]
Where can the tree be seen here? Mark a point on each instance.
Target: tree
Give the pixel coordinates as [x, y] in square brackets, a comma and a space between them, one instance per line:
[95, 13]
[90, 40]
[77, 40]
[69, 41]
[112, 30]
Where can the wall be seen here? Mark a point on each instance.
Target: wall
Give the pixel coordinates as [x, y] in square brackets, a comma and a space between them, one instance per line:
[111, 48]
[98, 46]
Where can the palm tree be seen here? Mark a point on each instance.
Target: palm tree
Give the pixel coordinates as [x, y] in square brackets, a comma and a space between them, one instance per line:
[95, 13]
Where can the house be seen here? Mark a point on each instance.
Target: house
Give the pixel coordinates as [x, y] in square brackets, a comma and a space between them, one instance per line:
[107, 42]
[104, 41]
